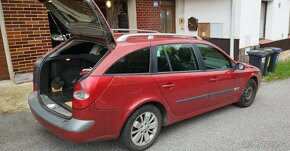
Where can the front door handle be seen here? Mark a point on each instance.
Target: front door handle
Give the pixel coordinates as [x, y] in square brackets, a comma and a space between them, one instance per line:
[168, 86]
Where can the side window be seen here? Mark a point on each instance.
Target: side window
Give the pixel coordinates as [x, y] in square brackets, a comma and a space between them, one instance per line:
[213, 58]
[136, 62]
[181, 57]
[162, 62]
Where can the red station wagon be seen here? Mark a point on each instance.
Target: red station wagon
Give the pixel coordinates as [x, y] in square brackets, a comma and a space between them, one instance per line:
[98, 87]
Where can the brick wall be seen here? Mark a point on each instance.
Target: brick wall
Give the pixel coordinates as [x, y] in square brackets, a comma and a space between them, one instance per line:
[28, 32]
[148, 17]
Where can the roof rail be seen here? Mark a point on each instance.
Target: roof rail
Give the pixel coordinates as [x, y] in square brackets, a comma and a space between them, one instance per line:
[151, 36]
[135, 30]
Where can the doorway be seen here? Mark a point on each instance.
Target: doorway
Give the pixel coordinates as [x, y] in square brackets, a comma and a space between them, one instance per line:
[116, 14]
[167, 16]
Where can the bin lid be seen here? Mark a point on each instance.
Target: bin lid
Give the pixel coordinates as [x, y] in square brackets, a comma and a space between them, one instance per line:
[259, 53]
[268, 49]
[276, 50]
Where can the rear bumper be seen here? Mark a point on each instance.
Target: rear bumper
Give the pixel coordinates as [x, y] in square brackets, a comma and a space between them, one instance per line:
[71, 125]
[102, 125]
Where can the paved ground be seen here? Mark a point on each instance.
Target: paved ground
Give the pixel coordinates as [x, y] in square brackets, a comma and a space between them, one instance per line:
[13, 97]
[263, 126]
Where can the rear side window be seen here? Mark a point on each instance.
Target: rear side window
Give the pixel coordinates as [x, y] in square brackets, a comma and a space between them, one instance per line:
[213, 58]
[135, 62]
[181, 57]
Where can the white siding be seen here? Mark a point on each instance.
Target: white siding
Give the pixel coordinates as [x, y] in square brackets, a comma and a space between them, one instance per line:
[249, 21]
[277, 23]
[206, 11]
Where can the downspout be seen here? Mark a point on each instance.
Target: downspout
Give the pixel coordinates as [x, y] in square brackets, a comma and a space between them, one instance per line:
[232, 36]
[6, 45]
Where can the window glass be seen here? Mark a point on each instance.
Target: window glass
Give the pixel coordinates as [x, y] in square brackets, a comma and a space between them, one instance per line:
[181, 57]
[136, 62]
[213, 58]
[75, 11]
[162, 62]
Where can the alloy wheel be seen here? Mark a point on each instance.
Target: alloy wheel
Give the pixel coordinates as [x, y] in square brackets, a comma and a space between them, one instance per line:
[144, 128]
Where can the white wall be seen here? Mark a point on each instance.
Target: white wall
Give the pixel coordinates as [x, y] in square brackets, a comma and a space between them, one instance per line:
[132, 15]
[249, 22]
[277, 21]
[206, 11]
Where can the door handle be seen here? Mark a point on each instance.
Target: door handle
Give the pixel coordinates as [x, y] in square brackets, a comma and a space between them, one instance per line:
[214, 80]
[168, 86]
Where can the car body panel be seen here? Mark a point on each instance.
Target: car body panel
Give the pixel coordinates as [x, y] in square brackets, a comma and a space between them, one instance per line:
[189, 92]
[224, 85]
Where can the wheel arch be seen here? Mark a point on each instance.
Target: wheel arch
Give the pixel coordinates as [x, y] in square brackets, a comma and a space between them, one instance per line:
[255, 79]
[160, 106]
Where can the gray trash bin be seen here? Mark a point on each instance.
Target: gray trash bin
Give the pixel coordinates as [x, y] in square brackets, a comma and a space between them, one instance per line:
[258, 59]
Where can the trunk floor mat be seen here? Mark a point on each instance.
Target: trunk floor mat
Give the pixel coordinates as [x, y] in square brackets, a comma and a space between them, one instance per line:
[62, 97]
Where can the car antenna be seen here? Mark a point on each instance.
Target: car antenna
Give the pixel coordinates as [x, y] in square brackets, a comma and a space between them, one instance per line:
[64, 37]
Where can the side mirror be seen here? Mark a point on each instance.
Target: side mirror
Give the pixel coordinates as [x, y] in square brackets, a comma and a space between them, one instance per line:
[240, 66]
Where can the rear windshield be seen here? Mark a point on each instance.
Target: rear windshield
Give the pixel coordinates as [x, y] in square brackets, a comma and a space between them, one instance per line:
[75, 11]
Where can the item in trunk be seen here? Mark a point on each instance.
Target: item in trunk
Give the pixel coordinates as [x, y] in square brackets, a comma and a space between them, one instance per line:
[57, 84]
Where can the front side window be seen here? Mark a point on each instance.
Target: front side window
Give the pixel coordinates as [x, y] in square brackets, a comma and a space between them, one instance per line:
[213, 58]
[181, 57]
[135, 62]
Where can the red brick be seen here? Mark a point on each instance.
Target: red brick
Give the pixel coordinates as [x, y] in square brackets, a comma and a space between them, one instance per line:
[26, 21]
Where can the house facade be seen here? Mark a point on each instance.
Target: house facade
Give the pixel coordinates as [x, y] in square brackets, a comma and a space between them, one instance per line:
[28, 31]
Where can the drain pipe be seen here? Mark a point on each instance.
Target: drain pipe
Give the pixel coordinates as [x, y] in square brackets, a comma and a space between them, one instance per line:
[6, 45]
[232, 36]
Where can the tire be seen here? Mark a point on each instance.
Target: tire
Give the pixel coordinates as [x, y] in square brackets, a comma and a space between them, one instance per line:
[248, 95]
[123, 17]
[123, 24]
[130, 130]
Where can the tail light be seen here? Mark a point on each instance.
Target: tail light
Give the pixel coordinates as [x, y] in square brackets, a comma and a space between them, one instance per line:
[36, 74]
[35, 86]
[88, 90]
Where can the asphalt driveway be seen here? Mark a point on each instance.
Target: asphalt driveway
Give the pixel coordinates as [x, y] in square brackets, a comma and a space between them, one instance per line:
[263, 126]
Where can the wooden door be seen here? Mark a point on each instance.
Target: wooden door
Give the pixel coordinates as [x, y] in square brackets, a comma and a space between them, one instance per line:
[167, 16]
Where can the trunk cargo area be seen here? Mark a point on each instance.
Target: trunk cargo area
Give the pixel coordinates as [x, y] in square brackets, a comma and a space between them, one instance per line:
[65, 67]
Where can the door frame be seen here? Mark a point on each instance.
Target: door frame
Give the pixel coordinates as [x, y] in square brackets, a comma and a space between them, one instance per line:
[168, 6]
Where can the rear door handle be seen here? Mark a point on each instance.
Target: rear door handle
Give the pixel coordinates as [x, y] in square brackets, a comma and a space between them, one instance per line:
[214, 80]
[168, 86]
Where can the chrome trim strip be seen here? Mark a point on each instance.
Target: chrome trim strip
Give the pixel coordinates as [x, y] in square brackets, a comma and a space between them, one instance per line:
[220, 92]
[192, 99]
[207, 95]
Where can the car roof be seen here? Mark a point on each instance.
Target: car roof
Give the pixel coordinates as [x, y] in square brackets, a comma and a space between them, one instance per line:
[144, 41]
